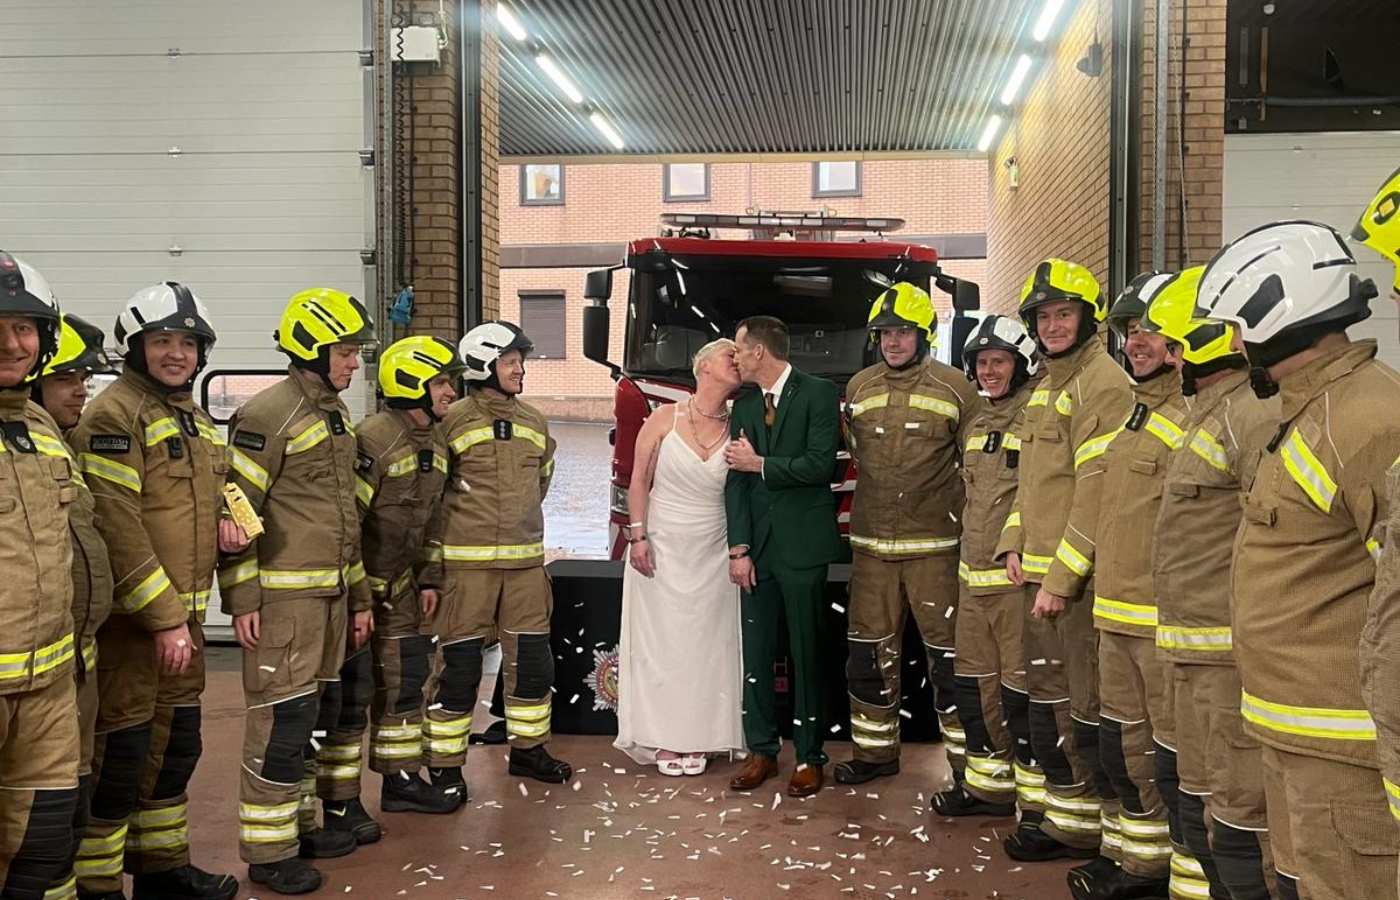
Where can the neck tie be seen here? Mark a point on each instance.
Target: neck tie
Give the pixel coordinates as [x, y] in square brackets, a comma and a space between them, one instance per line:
[768, 410]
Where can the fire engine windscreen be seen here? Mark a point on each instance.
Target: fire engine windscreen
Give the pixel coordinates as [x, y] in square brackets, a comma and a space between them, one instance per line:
[674, 310]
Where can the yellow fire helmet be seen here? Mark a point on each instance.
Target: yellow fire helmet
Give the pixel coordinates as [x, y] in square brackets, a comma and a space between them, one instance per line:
[1171, 312]
[1059, 279]
[318, 318]
[903, 305]
[408, 365]
[1379, 226]
[79, 348]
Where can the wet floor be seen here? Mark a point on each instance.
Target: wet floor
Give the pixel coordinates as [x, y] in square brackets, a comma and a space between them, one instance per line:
[619, 831]
[576, 510]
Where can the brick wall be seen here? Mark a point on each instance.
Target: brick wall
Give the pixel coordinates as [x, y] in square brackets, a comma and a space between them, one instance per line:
[1059, 137]
[615, 202]
[1200, 146]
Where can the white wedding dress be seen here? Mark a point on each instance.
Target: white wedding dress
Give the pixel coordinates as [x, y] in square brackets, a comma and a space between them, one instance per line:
[680, 669]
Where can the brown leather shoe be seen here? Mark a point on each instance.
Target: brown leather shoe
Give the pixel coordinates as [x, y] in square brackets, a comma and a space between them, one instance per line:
[806, 781]
[757, 769]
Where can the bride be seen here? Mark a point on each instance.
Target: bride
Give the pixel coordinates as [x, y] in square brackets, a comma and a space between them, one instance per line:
[680, 689]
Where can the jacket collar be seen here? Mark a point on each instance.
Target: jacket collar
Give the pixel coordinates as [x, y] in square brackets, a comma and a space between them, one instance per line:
[156, 390]
[1156, 391]
[13, 401]
[493, 406]
[1207, 398]
[314, 390]
[1062, 368]
[1297, 389]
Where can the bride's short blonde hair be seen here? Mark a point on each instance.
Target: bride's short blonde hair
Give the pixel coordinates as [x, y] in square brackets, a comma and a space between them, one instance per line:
[710, 349]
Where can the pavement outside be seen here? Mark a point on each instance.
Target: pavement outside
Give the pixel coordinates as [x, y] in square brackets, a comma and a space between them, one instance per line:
[623, 831]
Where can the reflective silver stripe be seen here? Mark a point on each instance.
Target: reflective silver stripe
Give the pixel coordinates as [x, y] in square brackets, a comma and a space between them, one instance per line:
[470, 438]
[1309, 721]
[528, 434]
[1210, 450]
[161, 429]
[403, 466]
[1039, 398]
[1167, 431]
[1307, 470]
[910, 545]
[1036, 565]
[982, 577]
[240, 463]
[459, 553]
[292, 579]
[1392, 796]
[1127, 613]
[308, 439]
[1176, 637]
[936, 405]
[1064, 403]
[1077, 562]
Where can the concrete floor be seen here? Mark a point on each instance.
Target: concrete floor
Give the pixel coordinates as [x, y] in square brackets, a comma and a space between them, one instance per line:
[619, 831]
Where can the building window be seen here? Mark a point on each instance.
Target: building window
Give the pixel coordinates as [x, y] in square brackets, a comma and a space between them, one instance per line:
[543, 317]
[685, 182]
[836, 179]
[542, 185]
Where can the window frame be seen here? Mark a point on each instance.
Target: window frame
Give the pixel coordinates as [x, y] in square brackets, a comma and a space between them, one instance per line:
[208, 375]
[526, 295]
[851, 192]
[525, 200]
[667, 196]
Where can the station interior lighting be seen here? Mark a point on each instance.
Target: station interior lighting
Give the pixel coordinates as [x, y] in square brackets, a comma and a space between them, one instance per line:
[1048, 14]
[605, 128]
[989, 133]
[1017, 79]
[556, 75]
[511, 23]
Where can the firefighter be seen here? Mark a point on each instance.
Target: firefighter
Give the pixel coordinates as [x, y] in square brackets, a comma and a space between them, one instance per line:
[1304, 558]
[502, 458]
[400, 470]
[989, 681]
[1379, 229]
[1070, 420]
[905, 418]
[155, 465]
[298, 593]
[38, 724]
[1207, 767]
[1132, 689]
[62, 391]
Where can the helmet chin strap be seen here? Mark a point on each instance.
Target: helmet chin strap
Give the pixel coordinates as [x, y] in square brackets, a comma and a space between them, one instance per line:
[1155, 373]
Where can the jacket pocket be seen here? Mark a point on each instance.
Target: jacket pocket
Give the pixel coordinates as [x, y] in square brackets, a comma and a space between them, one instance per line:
[267, 670]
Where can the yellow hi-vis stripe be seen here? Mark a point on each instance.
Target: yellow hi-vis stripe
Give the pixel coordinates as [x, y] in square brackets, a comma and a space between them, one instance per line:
[158, 829]
[210, 434]
[529, 434]
[1210, 450]
[459, 553]
[238, 573]
[1036, 565]
[879, 401]
[364, 494]
[470, 439]
[291, 580]
[1187, 880]
[308, 439]
[89, 654]
[21, 665]
[982, 577]
[240, 463]
[1064, 403]
[195, 601]
[1308, 721]
[903, 545]
[161, 429]
[1308, 471]
[1216, 638]
[1094, 447]
[64, 890]
[267, 824]
[115, 472]
[528, 720]
[1039, 398]
[100, 856]
[936, 405]
[1077, 562]
[1392, 796]
[1127, 613]
[1012, 521]
[1167, 431]
[1373, 547]
[139, 597]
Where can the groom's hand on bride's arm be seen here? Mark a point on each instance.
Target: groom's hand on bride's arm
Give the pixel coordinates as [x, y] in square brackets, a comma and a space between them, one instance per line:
[740, 455]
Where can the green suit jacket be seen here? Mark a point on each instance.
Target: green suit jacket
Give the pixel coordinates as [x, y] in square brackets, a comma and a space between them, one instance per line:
[787, 515]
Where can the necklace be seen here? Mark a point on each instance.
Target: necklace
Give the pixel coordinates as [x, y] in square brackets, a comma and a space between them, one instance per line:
[724, 432]
[721, 417]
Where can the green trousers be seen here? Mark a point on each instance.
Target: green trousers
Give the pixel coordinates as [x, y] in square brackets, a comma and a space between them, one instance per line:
[799, 596]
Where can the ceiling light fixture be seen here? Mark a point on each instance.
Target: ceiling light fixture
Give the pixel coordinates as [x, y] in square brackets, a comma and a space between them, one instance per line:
[556, 74]
[605, 128]
[989, 134]
[1048, 14]
[511, 23]
[1018, 78]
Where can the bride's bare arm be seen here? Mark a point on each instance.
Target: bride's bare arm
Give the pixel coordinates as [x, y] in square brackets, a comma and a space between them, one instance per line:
[638, 492]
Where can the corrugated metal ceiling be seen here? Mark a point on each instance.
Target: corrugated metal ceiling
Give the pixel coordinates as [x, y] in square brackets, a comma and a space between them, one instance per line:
[761, 76]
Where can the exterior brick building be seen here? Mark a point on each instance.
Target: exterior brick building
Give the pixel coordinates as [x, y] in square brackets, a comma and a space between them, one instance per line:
[942, 199]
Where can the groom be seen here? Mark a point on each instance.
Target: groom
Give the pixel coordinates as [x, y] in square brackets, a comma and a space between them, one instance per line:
[782, 535]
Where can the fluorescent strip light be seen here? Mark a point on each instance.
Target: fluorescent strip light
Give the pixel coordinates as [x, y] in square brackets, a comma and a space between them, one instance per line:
[511, 23]
[989, 133]
[604, 126]
[556, 74]
[1018, 78]
[1047, 19]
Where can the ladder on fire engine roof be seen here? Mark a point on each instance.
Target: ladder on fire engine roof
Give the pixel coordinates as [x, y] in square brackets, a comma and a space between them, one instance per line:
[769, 225]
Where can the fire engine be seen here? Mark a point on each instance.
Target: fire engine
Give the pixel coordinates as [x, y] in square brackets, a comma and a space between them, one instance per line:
[688, 287]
